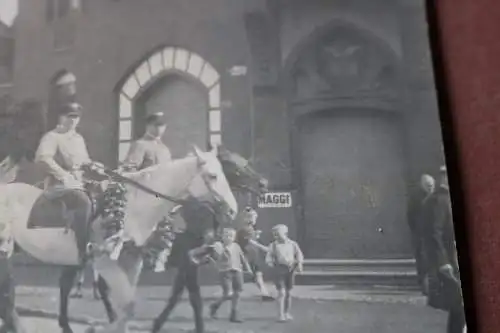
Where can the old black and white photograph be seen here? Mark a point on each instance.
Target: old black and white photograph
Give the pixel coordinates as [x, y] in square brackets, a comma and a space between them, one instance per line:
[234, 166]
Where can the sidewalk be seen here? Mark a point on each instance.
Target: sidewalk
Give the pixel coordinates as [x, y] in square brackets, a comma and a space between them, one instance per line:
[314, 292]
[317, 307]
[44, 301]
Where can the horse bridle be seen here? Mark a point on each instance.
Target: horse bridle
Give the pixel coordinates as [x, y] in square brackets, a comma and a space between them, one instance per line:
[250, 173]
[228, 157]
[118, 177]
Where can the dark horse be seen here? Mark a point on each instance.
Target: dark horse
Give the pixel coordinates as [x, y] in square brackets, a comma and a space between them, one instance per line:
[241, 177]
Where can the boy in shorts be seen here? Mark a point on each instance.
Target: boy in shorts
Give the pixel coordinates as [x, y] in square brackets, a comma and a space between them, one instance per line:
[230, 262]
[286, 258]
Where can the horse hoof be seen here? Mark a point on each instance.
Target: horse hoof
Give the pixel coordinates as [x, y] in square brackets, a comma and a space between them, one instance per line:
[91, 329]
[67, 330]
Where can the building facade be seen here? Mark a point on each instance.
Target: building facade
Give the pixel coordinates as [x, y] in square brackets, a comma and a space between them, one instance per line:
[334, 101]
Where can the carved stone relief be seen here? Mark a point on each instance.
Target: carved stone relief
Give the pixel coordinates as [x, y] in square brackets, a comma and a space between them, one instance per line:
[343, 63]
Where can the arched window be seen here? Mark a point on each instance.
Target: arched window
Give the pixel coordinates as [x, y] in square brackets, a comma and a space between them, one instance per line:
[56, 9]
[57, 13]
[171, 70]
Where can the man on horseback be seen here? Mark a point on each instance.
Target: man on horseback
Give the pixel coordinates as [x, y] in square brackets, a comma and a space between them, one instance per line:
[63, 152]
[147, 151]
[150, 149]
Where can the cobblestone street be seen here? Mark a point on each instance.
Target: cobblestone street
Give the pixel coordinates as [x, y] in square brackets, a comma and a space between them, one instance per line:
[316, 308]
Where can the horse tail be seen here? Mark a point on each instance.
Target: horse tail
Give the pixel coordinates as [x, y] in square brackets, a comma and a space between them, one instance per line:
[8, 170]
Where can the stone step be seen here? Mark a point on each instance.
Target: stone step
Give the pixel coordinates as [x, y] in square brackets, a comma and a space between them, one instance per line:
[403, 265]
[400, 273]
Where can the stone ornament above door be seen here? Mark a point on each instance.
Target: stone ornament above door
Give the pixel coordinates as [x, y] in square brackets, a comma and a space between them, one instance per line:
[163, 62]
[343, 63]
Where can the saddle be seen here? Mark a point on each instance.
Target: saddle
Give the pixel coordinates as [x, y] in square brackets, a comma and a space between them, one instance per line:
[53, 209]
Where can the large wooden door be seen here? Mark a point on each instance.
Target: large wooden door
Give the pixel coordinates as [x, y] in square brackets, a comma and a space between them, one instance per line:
[185, 105]
[353, 186]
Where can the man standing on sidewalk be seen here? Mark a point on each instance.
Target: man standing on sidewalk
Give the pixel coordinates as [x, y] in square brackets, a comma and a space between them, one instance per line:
[420, 216]
[444, 285]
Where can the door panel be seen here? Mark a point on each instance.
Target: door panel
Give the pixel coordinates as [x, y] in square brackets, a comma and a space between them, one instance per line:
[186, 109]
[353, 186]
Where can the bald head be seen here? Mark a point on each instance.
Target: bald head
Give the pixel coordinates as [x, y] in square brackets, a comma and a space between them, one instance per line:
[427, 183]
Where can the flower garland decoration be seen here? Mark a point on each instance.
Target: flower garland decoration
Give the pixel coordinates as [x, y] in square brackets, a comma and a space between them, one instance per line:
[114, 202]
[158, 246]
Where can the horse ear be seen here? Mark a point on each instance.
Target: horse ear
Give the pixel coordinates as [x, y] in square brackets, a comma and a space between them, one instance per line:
[198, 154]
[197, 151]
[215, 149]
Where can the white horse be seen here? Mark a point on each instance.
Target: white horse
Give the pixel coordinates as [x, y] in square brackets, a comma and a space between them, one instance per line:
[199, 176]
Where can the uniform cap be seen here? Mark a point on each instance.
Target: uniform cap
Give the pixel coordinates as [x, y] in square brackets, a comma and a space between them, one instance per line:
[66, 79]
[157, 118]
[71, 109]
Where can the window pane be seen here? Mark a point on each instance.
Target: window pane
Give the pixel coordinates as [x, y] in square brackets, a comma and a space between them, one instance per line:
[125, 107]
[64, 34]
[215, 120]
[125, 130]
[50, 8]
[76, 4]
[123, 150]
[63, 7]
[215, 140]
[214, 95]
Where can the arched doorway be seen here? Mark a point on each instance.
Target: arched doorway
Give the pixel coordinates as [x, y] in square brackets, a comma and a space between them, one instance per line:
[348, 146]
[185, 105]
[181, 84]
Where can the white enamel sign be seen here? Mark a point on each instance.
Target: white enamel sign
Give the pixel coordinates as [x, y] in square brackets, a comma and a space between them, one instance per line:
[275, 200]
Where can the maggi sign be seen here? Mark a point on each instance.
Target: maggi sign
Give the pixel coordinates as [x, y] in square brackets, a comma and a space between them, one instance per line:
[275, 200]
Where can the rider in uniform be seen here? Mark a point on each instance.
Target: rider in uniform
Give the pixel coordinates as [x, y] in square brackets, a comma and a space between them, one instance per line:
[63, 152]
[150, 149]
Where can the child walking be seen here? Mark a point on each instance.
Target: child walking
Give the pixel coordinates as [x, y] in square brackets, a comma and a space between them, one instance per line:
[230, 262]
[286, 258]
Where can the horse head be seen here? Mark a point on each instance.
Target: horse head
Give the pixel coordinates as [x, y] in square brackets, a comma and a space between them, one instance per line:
[211, 186]
[240, 174]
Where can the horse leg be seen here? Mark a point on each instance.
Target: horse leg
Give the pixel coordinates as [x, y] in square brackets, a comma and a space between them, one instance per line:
[14, 324]
[65, 285]
[79, 284]
[95, 283]
[11, 321]
[103, 289]
[121, 279]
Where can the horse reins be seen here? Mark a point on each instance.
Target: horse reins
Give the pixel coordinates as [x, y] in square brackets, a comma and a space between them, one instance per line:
[121, 178]
[115, 175]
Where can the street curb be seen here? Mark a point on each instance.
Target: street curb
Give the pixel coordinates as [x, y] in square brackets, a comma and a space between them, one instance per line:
[134, 325]
[28, 312]
[414, 300]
